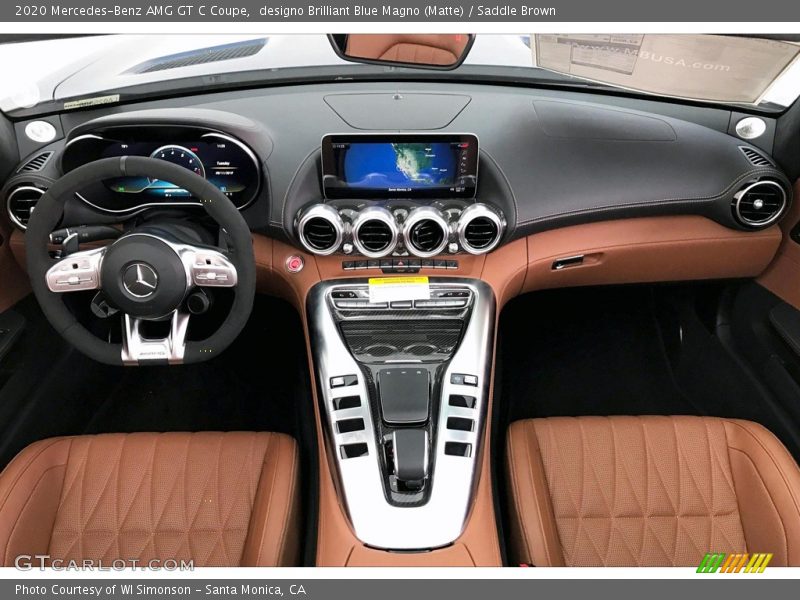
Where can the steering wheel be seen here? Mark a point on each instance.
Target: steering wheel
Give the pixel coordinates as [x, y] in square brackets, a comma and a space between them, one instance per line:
[146, 274]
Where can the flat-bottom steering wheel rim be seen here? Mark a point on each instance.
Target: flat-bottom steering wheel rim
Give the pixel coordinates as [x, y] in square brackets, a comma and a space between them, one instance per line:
[50, 210]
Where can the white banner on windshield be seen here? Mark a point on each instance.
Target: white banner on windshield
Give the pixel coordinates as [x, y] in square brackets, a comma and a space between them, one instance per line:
[700, 67]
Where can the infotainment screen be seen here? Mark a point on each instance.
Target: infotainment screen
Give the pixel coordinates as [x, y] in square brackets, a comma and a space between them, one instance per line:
[400, 165]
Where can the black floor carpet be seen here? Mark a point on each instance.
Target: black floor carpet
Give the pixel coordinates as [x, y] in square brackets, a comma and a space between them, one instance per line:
[258, 384]
[597, 351]
[636, 350]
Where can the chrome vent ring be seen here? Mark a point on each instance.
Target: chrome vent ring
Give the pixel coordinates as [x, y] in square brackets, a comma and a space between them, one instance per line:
[480, 229]
[760, 204]
[425, 232]
[20, 203]
[320, 229]
[375, 232]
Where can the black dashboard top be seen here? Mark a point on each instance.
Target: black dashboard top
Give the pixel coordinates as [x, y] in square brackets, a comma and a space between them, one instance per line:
[547, 158]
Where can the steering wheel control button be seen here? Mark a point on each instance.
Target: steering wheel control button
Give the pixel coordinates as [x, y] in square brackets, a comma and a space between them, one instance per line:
[294, 264]
[79, 271]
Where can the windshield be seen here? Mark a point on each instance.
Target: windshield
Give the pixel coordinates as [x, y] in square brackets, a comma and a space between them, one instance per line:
[81, 71]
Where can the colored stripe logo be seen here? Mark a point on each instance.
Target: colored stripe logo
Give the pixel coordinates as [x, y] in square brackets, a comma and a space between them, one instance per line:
[719, 562]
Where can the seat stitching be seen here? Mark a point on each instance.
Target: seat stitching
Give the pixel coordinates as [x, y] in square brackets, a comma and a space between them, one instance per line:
[530, 434]
[31, 460]
[733, 484]
[774, 462]
[714, 516]
[581, 529]
[771, 499]
[515, 487]
[67, 491]
[615, 514]
[289, 505]
[22, 511]
[268, 508]
[660, 478]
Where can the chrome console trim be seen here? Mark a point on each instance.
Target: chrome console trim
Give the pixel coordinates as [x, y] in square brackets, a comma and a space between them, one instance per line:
[376, 522]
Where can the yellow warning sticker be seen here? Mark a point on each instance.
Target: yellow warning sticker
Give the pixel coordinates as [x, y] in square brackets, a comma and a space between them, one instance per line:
[397, 289]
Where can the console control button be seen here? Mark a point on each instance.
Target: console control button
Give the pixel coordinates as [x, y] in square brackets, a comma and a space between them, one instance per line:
[462, 379]
[344, 381]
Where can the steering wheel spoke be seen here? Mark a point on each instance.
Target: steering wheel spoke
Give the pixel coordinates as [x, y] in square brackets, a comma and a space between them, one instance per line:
[79, 271]
[138, 349]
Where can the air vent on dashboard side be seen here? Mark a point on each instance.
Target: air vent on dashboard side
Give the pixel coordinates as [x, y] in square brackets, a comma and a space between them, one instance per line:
[320, 229]
[756, 158]
[375, 232]
[759, 204]
[37, 163]
[480, 229]
[425, 231]
[20, 203]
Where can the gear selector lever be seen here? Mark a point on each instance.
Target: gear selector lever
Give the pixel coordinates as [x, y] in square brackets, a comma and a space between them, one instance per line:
[410, 448]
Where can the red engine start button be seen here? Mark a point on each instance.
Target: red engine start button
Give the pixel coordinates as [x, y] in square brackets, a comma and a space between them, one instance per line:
[294, 264]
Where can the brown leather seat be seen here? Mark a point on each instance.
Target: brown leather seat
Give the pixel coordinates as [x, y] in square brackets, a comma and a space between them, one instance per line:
[219, 499]
[649, 491]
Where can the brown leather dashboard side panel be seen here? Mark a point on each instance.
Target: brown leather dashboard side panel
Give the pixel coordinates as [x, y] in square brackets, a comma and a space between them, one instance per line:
[678, 248]
[782, 276]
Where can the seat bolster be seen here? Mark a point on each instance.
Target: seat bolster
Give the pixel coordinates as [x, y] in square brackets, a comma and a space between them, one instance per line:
[30, 489]
[534, 534]
[273, 538]
[767, 482]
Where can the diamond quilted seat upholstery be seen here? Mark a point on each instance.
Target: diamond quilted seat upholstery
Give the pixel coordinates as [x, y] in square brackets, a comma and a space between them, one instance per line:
[218, 499]
[649, 491]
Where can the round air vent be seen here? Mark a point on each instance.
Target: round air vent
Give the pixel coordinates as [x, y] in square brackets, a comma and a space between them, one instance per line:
[320, 229]
[480, 229]
[425, 231]
[759, 204]
[20, 203]
[375, 232]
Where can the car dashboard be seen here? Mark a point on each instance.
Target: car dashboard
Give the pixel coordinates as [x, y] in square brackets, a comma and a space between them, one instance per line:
[484, 192]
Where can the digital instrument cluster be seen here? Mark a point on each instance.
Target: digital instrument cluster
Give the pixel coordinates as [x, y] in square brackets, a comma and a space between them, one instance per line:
[221, 159]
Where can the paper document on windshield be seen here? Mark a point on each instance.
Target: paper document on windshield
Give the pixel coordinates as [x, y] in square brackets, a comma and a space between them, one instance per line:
[701, 67]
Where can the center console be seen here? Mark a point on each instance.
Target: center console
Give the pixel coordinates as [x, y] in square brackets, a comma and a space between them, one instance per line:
[403, 387]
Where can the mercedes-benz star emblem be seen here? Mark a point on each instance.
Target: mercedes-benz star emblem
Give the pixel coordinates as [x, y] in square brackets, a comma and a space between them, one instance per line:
[140, 280]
